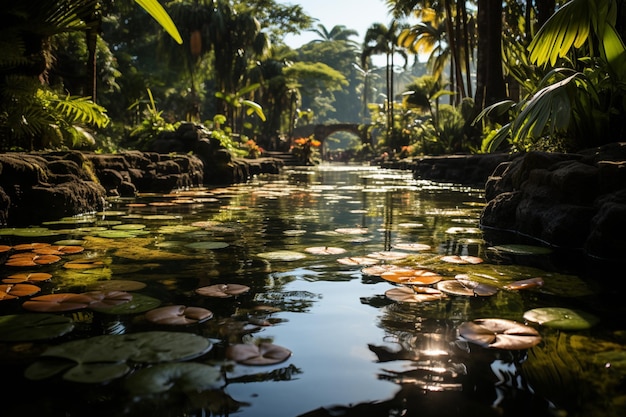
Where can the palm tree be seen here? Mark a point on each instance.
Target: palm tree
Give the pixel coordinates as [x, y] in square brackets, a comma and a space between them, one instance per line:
[380, 39]
[337, 33]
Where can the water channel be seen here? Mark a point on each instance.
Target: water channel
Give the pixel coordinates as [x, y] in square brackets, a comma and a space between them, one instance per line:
[304, 253]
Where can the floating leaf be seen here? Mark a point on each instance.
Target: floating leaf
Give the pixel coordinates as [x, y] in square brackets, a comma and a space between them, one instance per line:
[58, 250]
[325, 250]
[30, 327]
[480, 289]
[378, 270]
[358, 260]
[414, 295]
[5, 248]
[140, 303]
[282, 255]
[30, 246]
[85, 263]
[31, 259]
[465, 288]
[187, 377]
[525, 284]
[27, 277]
[178, 315]
[418, 247]
[58, 302]
[222, 290]
[13, 291]
[208, 245]
[412, 276]
[261, 354]
[352, 230]
[103, 358]
[108, 299]
[499, 334]
[388, 255]
[129, 226]
[561, 318]
[462, 259]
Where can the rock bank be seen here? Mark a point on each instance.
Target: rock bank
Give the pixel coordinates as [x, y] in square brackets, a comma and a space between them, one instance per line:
[36, 187]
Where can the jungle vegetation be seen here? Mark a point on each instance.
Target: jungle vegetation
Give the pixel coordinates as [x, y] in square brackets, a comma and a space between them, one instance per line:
[460, 76]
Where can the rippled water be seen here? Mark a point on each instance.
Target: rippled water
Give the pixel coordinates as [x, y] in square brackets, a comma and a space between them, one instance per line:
[355, 351]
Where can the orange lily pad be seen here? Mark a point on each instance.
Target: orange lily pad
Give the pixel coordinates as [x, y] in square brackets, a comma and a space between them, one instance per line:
[222, 290]
[5, 248]
[499, 334]
[58, 302]
[31, 259]
[414, 295]
[412, 276]
[178, 315]
[30, 246]
[58, 250]
[325, 250]
[261, 354]
[27, 277]
[13, 291]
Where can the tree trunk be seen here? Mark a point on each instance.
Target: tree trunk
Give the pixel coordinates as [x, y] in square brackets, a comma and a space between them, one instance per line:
[490, 87]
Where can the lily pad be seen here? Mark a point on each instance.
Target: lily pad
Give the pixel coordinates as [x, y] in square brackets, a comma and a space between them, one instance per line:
[378, 270]
[466, 288]
[561, 318]
[207, 245]
[325, 250]
[352, 230]
[59, 250]
[24, 259]
[174, 377]
[462, 259]
[58, 302]
[30, 327]
[222, 290]
[108, 299]
[412, 276]
[414, 295]
[418, 247]
[178, 315]
[524, 284]
[388, 255]
[282, 255]
[358, 260]
[140, 303]
[261, 354]
[13, 291]
[103, 358]
[31, 277]
[499, 334]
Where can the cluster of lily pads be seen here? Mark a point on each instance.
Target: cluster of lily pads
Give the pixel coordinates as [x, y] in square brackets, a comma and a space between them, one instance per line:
[416, 283]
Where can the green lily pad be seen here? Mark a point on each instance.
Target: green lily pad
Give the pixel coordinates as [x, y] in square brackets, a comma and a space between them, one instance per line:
[176, 377]
[139, 304]
[282, 255]
[561, 318]
[208, 245]
[103, 358]
[29, 327]
[28, 232]
[129, 226]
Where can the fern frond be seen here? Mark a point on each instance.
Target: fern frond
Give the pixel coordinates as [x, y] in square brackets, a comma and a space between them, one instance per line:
[78, 109]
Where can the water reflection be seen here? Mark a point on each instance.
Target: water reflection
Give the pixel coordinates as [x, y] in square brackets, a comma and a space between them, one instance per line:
[355, 351]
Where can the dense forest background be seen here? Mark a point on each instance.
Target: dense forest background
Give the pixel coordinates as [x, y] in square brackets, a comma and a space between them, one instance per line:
[462, 76]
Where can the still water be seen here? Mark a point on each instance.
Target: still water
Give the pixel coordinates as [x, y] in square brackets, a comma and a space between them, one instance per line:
[298, 242]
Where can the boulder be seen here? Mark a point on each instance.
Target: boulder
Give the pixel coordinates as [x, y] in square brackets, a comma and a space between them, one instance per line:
[571, 201]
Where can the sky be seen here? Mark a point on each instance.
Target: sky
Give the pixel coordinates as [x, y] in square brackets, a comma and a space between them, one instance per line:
[353, 14]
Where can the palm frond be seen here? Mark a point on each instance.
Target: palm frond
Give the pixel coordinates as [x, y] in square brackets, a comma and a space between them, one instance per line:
[78, 110]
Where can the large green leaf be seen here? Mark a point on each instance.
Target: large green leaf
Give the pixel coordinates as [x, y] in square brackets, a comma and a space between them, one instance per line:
[160, 15]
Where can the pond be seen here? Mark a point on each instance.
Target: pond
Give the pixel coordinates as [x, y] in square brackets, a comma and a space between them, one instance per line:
[334, 290]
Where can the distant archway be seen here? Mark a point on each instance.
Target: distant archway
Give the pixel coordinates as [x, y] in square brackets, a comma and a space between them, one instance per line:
[321, 132]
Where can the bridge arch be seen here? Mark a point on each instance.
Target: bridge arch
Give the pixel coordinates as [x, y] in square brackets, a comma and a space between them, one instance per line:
[322, 131]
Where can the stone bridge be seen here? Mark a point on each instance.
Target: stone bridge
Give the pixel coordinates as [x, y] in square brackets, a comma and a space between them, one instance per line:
[321, 132]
